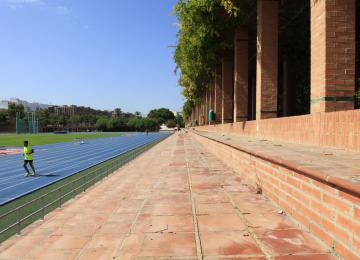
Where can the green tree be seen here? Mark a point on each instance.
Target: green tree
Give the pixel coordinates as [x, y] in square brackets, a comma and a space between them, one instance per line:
[13, 108]
[93, 119]
[101, 124]
[43, 117]
[63, 120]
[4, 117]
[161, 115]
[206, 32]
[135, 123]
[53, 119]
[117, 112]
[171, 123]
[75, 119]
[180, 120]
[187, 108]
[110, 124]
[141, 124]
[150, 124]
[119, 124]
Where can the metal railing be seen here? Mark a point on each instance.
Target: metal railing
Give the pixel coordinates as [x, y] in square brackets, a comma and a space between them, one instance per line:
[18, 218]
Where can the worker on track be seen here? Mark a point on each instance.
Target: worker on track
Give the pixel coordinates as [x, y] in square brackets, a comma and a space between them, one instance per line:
[28, 159]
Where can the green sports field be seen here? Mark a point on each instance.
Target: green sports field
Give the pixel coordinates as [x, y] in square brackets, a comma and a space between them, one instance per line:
[48, 138]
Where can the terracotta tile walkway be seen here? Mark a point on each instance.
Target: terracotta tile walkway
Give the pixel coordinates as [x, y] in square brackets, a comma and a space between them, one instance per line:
[174, 202]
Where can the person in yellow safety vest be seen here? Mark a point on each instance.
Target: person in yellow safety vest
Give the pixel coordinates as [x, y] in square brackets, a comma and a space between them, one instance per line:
[28, 159]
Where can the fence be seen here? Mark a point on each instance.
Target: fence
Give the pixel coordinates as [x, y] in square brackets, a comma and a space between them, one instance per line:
[27, 125]
[15, 219]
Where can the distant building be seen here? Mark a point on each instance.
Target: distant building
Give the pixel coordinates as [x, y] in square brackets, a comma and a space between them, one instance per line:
[176, 113]
[163, 127]
[28, 106]
[69, 110]
[4, 104]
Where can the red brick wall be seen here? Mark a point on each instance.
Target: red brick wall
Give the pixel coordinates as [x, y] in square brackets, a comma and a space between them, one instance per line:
[332, 55]
[241, 75]
[267, 59]
[334, 129]
[329, 213]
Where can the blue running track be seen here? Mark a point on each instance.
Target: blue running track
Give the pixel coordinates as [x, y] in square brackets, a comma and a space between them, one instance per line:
[54, 162]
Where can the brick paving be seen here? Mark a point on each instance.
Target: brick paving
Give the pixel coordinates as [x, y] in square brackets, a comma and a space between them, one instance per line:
[176, 201]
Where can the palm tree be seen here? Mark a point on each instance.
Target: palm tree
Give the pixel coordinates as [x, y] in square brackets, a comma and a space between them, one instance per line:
[138, 114]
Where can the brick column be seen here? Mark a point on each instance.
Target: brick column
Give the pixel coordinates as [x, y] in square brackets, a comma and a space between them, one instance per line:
[241, 83]
[203, 108]
[197, 114]
[227, 89]
[218, 93]
[200, 113]
[206, 105]
[212, 94]
[332, 55]
[267, 59]
[209, 95]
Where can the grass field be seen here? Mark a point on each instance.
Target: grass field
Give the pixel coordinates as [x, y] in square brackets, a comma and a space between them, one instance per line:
[48, 138]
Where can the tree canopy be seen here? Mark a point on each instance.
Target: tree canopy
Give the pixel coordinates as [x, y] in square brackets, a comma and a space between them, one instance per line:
[206, 34]
[206, 30]
[13, 108]
[142, 124]
[161, 115]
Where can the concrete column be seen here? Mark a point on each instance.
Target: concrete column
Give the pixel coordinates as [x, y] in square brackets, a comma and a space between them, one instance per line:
[227, 88]
[332, 55]
[241, 72]
[218, 94]
[267, 59]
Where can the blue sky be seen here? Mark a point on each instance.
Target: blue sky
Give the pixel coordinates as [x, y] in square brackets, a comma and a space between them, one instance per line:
[98, 53]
